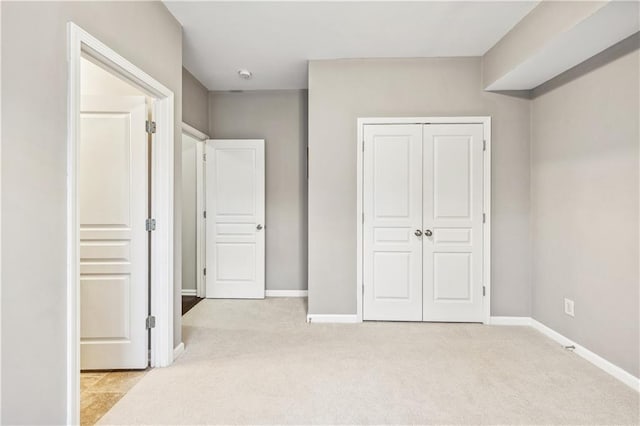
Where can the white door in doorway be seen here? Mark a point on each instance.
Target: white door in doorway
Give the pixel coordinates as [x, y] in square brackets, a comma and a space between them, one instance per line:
[393, 222]
[113, 195]
[235, 200]
[452, 245]
[423, 215]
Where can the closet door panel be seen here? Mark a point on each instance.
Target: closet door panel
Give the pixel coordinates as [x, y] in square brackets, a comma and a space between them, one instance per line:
[452, 209]
[392, 223]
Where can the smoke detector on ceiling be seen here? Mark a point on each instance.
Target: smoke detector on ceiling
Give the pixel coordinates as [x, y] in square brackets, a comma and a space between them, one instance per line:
[245, 74]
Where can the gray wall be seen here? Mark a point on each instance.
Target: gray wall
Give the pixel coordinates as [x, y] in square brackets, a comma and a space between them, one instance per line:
[279, 117]
[195, 99]
[34, 90]
[584, 179]
[340, 91]
[189, 215]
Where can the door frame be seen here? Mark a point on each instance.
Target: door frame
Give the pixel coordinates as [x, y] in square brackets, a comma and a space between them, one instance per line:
[161, 257]
[201, 284]
[486, 247]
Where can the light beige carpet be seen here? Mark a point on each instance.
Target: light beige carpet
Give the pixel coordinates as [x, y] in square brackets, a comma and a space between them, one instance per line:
[259, 362]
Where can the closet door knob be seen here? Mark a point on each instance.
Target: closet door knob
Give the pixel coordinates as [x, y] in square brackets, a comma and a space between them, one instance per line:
[259, 227]
[418, 233]
[428, 232]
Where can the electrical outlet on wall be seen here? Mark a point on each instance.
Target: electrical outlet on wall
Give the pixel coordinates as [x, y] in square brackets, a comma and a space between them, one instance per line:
[568, 307]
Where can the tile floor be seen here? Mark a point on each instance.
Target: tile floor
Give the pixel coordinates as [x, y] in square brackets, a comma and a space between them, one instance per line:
[100, 390]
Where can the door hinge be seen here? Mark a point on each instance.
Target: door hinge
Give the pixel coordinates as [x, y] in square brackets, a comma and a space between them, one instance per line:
[484, 145]
[150, 322]
[484, 291]
[363, 289]
[363, 146]
[204, 157]
[204, 214]
[150, 126]
[484, 218]
[363, 217]
[150, 224]
[204, 272]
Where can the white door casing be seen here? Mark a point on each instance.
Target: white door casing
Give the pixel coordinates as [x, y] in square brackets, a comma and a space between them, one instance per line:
[201, 247]
[201, 139]
[455, 193]
[452, 213]
[161, 348]
[393, 222]
[113, 189]
[235, 200]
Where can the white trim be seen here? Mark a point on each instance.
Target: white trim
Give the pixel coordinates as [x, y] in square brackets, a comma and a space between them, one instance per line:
[607, 366]
[286, 293]
[201, 223]
[162, 297]
[200, 206]
[193, 132]
[189, 292]
[486, 122]
[334, 319]
[0, 223]
[526, 321]
[359, 216]
[178, 350]
[486, 236]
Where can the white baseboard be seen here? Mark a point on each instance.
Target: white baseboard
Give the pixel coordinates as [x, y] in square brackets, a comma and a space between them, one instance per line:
[286, 293]
[510, 321]
[617, 372]
[337, 319]
[608, 367]
[178, 350]
[188, 291]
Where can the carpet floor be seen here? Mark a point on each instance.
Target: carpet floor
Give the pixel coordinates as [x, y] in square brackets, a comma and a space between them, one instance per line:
[259, 362]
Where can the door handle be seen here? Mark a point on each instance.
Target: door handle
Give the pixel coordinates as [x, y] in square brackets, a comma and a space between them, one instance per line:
[418, 233]
[259, 227]
[428, 232]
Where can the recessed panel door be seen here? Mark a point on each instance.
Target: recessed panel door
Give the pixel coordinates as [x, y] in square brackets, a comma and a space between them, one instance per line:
[112, 188]
[452, 245]
[235, 199]
[392, 222]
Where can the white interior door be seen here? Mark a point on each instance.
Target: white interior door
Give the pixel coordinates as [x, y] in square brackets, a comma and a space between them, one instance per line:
[113, 196]
[453, 190]
[392, 222]
[235, 199]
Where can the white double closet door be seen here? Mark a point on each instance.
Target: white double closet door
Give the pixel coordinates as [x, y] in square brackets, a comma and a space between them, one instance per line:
[423, 222]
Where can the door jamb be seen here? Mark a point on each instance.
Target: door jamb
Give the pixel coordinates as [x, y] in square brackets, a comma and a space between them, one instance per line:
[81, 43]
[201, 287]
[486, 249]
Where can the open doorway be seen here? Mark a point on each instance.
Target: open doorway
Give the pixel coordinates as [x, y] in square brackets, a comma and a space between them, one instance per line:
[193, 217]
[120, 241]
[114, 199]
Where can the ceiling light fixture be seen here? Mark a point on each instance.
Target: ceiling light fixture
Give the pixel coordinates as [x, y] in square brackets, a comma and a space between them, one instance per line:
[245, 74]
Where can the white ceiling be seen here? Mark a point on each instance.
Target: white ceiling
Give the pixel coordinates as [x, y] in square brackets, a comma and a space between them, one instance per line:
[274, 40]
